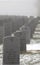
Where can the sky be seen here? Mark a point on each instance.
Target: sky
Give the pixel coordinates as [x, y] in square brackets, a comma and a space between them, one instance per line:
[18, 7]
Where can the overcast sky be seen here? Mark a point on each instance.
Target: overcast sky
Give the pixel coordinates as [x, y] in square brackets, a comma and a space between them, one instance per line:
[18, 7]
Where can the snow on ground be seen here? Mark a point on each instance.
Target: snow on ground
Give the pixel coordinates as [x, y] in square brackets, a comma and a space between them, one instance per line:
[33, 45]
[1, 55]
[30, 59]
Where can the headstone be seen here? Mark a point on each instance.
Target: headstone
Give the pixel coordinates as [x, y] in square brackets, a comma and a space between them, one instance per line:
[17, 23]
[22, 36]
[11, 51]
[23, 41]
[1, 34]
[25, 37]
[7, 28]
[14, 26]
[1, 41]
[28, 35]
[32, 25]
[26, 20]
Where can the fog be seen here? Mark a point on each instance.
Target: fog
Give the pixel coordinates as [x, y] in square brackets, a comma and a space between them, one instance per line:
[18, 7]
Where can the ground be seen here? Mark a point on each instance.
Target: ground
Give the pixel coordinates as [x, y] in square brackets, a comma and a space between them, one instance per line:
[30, 59]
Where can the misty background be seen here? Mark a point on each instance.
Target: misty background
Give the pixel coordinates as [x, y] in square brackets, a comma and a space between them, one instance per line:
[19, 7]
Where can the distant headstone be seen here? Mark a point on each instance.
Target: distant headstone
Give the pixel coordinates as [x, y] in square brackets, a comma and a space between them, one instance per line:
[1, 34]
[11, 51]
[7, 29]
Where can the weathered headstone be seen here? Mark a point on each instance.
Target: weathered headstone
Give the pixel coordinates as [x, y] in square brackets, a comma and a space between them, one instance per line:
[25, 38]
[1, 34]
[22, 35]
[32, 25]
[17, 23]
[23, 42]
[11, 51]
[7, 28]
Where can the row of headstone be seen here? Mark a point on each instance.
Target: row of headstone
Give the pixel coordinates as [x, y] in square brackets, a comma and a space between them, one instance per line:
[14, 45]
[11, 46]
[32, 25]
[24, 35]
